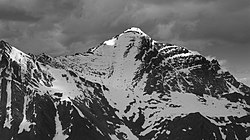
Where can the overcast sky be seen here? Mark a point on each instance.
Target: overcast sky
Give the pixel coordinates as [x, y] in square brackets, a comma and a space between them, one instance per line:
[215, 28]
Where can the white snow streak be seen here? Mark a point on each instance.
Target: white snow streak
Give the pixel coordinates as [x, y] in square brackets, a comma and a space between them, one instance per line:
[127, 131]
[59, 131]
[8, 118]
[25, 124]
[110, 42]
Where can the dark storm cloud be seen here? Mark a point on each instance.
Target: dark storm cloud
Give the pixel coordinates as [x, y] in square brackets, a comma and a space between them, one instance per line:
[13, 14]
[160, 2]
[196, 22]
[183, 19]
[220, 21]
[33, 25]
[62, 26]
[226, 20]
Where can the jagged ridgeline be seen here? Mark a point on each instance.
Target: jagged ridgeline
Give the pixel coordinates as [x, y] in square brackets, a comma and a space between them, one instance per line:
[127, 88]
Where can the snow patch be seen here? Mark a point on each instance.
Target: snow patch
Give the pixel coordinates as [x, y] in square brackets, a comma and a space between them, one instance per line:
[135, 29]
[168, 132]
[233, 89]
[25, 124]
[8, 118]
[222, 134]
[110, 42]
[59, 131]
[127, 131]
[79, 111]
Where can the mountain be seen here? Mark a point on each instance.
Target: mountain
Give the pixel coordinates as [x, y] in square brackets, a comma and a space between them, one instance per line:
[127, 88]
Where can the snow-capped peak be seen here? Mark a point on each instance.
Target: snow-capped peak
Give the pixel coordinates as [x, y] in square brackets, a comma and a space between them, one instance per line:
[129, 87]
[110, 42]
[135, 29]
[12, 52]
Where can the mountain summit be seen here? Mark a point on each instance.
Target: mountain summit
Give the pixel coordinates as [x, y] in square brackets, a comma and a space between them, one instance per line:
[128, 88]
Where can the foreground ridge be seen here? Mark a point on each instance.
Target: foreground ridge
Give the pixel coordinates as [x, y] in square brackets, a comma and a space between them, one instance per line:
[129, 87]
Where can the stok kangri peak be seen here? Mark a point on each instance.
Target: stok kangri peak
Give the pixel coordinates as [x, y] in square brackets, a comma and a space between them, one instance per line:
[129, 87]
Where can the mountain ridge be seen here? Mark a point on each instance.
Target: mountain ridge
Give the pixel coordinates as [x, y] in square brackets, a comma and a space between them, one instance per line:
[128, 87]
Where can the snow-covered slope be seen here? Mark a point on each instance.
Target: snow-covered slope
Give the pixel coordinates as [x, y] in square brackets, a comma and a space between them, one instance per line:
[129, 87]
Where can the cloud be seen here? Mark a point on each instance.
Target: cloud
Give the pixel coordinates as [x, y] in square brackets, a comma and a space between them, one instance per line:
[172, 2]
[14, 14]
[164, 31]
[58, 27]
[197, 24]
[245, 79]
[34, 25]
[200, 21]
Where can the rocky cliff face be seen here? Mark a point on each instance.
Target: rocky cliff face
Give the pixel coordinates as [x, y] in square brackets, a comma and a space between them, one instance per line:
[129, 87]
